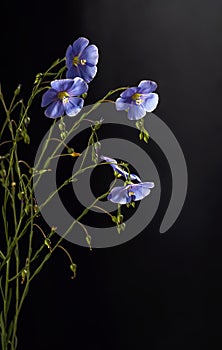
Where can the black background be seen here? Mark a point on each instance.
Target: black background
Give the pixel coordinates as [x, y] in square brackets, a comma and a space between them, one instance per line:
[155, 291]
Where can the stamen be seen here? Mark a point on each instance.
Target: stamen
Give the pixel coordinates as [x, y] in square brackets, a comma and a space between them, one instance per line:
[64, 96]
[83, 62]
[75, 61]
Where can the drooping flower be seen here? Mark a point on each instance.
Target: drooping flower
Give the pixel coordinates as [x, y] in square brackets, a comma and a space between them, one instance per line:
[62, 98]
[81, 60]
[119, 170]
[130, 193]
[138, 100]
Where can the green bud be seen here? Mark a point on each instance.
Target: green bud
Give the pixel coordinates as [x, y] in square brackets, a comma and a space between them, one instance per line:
[17, 91]
[73, 268]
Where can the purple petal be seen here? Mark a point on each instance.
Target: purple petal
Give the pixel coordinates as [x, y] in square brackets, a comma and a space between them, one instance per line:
[136, 112]
[90, 54]
[69, 57]
[78, 87]
[55, 110]
[129, 92]
[48, 97]
[62, 84]
[79, 45]
[147, 86]
[87, 72]
[151, 102]
[73, 72]
[74, 106]
[119, 195]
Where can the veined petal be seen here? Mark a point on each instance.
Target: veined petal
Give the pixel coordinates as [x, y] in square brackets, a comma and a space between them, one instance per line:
[121, 104]
[87, 72]
[136, 112]
[48, 97]
[69, 57]
[129, 92]
[141, 190]
[74, 106]
[55, 110]
[62, 84]
[119, 195]
[79, 45]
[90, 54]
[151, 102]
[78, 87]
[147, 86]
[73, 72]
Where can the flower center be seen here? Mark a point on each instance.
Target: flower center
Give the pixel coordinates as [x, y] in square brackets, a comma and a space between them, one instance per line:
[137, 98]
[75, 61]
[64, 96]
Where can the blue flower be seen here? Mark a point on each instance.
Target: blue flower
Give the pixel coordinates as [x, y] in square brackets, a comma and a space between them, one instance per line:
[130, 193]
[138, 100]
[61, 97]
[119, 170]
[81, 60]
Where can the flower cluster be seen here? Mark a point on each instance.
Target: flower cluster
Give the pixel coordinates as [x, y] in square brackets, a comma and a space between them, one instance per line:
[130, 192]
[64, 96]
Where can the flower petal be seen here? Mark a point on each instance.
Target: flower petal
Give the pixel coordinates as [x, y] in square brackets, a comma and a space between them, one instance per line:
[129, 92]
[90, 54]
[123, 104]
[62, 84]
[73, 72]
[136, 112]
[69, 57]
[78, 87]
[48, 97]
[107, 159]
[55, 110]
[147, 86]
[141, 190]
[79, 45]
[119, 195]
[74, 106]
[151, 102]
[87, 72]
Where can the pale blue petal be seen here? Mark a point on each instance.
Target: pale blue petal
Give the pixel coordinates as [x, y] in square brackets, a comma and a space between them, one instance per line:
[141, 190]
[78, 87]
[119, 195]
[107, 159]
[62, 84]
[136, 112]
[151, 102]
[122, 105]
[87, 72]
[55, 110]
[73, 72]
[79, 45]
[147, 86]
[90, 54]
[74, 106]
[69, 57]
[48, 97]
[129, 92]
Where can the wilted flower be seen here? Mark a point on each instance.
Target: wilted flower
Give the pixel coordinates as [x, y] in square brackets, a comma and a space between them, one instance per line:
[130, 193]
[119, 170]
[61, 97]
[81, 60]
[138, 100]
